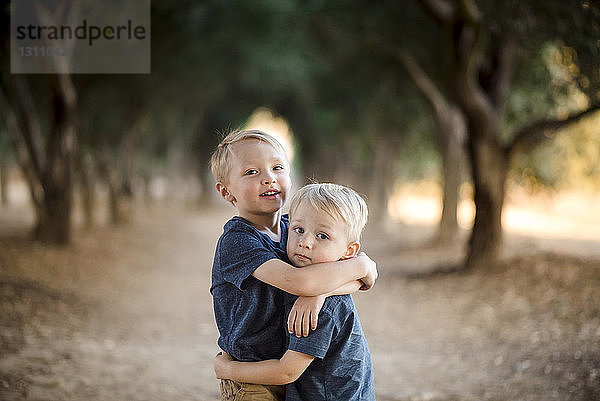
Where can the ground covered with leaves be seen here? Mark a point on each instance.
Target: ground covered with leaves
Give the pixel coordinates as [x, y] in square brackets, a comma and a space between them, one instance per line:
[125, 313]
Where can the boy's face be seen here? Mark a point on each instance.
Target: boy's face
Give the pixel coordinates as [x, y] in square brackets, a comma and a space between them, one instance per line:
[259, 179]
[316, 237]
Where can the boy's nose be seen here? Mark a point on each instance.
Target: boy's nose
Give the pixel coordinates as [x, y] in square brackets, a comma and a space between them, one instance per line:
[305, 244]
[269, 178]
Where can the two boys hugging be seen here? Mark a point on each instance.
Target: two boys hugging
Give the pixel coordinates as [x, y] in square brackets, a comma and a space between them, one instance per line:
[255, 288]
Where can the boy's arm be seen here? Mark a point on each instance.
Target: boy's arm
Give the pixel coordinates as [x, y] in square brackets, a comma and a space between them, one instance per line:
[348, 288]
[270, 372]
[319, 278]
[304, 315]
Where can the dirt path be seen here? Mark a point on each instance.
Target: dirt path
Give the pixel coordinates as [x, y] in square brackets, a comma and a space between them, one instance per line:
[137, 314]
[125, 314]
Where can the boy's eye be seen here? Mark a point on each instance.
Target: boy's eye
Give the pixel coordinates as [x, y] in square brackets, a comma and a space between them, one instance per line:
[322, 236]
[251, 172]
[298, 230]
[278, 167]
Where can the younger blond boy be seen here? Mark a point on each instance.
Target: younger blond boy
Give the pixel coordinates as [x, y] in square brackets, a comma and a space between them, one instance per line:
[250, 274]
[333, 362]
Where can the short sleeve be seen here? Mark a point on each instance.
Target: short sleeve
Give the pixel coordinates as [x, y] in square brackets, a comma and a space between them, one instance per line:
[240, 254]
[317, 343]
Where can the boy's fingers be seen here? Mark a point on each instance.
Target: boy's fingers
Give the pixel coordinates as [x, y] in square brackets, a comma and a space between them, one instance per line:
[291, 319]
[298, 327]
[306, 324]
[313, 321]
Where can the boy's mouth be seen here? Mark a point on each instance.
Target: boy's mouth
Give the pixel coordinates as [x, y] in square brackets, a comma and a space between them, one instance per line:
[302, 257]
[270, 192]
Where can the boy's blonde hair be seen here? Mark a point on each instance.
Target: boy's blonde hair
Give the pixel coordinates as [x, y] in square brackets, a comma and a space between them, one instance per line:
[338, 201]
[220, 161]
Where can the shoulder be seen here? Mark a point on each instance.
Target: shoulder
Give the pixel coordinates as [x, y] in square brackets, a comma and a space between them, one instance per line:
[238, 238]
[237, 228]
[236, 223]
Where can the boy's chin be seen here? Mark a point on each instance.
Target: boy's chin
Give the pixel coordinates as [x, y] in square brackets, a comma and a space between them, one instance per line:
[301, 263]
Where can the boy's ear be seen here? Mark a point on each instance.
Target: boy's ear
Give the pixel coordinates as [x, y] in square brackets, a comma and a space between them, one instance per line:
[224, 192]
[352, 250]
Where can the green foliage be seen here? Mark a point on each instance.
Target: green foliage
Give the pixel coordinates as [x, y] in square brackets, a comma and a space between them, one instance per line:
[558, 76]
[534, 91]
[569, 162]
[331, 69]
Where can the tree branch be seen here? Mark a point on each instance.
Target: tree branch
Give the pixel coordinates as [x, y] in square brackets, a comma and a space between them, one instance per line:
[507, 55]
[424, 83]
[470, 50]
[540, 131]
[468, 11]
[450, 120]
[441, 11]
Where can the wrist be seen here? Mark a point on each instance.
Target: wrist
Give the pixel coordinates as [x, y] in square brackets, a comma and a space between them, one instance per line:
[363, 268]
[222, 370]
[228, 369]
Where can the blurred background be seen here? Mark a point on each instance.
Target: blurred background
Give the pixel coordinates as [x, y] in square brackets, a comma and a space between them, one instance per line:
[471, 128]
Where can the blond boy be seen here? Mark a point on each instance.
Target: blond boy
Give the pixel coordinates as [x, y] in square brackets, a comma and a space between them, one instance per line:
[250, 272]
[333, 362]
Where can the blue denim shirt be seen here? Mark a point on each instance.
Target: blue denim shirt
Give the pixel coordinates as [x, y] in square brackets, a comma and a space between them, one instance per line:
[249, 313]
[342, 368]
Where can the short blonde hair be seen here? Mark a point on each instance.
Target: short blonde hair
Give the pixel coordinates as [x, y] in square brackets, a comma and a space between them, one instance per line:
[338, 201]
[220, 161]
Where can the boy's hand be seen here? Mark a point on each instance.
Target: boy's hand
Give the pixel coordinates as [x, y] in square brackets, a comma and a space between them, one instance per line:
[371, 277]
[221, 362]
[304, 315]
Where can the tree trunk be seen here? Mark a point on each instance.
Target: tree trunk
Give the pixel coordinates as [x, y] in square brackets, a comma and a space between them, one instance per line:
[53, 222]
[109, 173]
[201, 158]
[207, 183]
[53, 218]
[380, 181]
[48, 169]
[451, 129]
[452, 154]
[3, 182]
[87, 189]
[489, 168]
[486, 153]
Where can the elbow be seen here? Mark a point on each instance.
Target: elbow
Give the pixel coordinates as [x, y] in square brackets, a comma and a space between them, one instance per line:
[287, 377]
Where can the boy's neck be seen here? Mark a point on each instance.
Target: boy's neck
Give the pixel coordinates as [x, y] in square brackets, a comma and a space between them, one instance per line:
[267, 224]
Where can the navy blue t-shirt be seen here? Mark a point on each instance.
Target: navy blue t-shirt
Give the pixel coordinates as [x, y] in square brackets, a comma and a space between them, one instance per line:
[342, 368]
[249, 313]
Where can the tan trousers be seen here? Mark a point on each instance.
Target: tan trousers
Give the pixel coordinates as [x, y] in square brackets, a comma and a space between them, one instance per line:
[234, 391]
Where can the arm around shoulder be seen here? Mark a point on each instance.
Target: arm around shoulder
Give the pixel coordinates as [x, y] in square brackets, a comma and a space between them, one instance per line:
[316, 279]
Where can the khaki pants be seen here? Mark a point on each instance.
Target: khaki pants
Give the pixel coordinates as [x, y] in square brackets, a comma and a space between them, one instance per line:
[234, 391]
